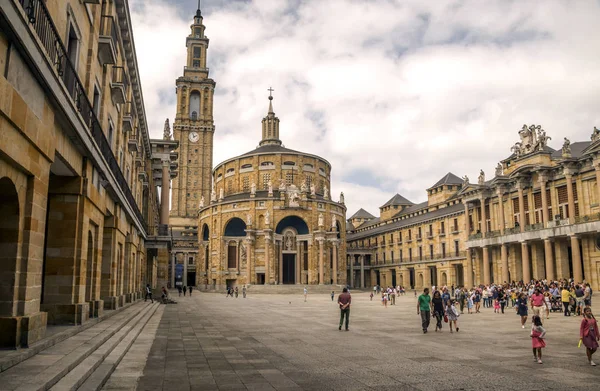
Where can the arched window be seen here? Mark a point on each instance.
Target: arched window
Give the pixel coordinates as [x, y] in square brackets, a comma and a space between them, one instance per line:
[194, 104]
[230, 170]
[289, 163]
[264, 164]
[247, 166]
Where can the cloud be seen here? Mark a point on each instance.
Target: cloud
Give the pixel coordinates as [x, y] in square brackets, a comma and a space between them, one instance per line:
[393, 93]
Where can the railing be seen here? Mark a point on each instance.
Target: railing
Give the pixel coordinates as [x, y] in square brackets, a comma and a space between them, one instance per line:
[47, 33]
[455, 230]
[557, 223]
[586, 218]
[108, 28]
[534, 227]
[441, 232]
[513, 230]
[477, 235]
[493, 234]
[419, 237]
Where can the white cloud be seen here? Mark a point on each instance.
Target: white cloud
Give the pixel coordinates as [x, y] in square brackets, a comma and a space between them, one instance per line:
[393, 93]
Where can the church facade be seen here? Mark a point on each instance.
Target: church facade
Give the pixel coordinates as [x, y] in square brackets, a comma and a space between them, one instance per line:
[270, 219]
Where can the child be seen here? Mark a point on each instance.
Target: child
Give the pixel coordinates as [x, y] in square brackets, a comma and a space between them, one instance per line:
[538, 333]
[469, 303]
[453, 314]
[384, 299]
[548, 305]
[332, 294]
[371, 295]
[496, 306]
[588, 334]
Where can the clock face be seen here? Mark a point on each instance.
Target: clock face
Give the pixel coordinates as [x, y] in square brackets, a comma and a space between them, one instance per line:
[194, 137]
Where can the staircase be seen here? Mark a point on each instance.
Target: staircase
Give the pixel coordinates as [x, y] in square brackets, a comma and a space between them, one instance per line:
[84, 361]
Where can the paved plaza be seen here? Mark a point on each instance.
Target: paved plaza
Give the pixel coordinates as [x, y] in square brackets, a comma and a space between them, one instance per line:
[265, 342]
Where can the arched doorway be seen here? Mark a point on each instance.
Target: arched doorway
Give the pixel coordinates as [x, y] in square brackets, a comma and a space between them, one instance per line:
[420, 280]
[9, 242]
[291, 252]
[235, 230]
[444, 279]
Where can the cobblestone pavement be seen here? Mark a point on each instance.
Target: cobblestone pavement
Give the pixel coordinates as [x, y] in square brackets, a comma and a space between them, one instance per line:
[265, 342]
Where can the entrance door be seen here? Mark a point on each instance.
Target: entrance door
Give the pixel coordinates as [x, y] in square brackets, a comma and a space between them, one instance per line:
[289, 268]
[191, 278]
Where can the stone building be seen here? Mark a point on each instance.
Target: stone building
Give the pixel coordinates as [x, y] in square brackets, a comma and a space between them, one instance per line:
[270, 219]
[537, 218]
[193, 129]
[77, 195]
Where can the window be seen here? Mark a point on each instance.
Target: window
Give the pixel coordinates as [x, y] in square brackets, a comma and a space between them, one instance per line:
[443, 250]
[420, 253]
[194, 105]
[456, 248]
[110, 134]
[246, 184]
[392, 256]
[308, 167]
[442, 229]
[232, 256]
[409, 234]
[400, 255]
[289, 163]
[196, 57]
[264, 164]
[96, 101]
[430, 230]
[410, 254]
[455, 225]
[247, 166]
[229, 187]
[309, 180]
[194, 116]
[266, 180]
[431, 251]
[230, 170]
[289, 179]
[190, 260]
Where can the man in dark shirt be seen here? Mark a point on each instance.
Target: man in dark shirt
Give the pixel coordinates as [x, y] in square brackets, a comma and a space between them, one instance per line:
[344, 301]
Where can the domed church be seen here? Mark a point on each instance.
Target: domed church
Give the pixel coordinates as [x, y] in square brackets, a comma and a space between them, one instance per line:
[271, 219]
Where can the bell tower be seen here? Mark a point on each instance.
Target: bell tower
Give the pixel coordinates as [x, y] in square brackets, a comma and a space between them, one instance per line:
[194, 126]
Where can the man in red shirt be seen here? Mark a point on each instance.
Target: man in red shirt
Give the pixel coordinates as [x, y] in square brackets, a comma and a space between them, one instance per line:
[537, 302]
[344, 300]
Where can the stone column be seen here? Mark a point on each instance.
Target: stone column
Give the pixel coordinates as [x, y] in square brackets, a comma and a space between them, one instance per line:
[469, 271]
[501, 210]
[298, 272]
[335, 262]
[486, 265]
[570, 195]
[483, 218]
[576, 256]
[352, 271]
[362, 271]
[267, 265]
[504, 257]
[185, 263]
[173, 259]
[467, 225]
[549, 259]
[525, 261]
[521, 206]
[321, 256]
[545, 217]
[164, 193]
[249, 259]
[280, 271]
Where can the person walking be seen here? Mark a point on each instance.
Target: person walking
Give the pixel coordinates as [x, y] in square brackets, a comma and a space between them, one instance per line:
[179, 290]
[538, 333]
[537, 302]
[332, 295]
[452, 314]
[588, 334]
[522, 308]
[437, 303]
[305, 293]
[244, 291]
[236, 292]
[424, 309]
[184, 290]
[190, 290]
[148, 293]
[565, 297]
[344, 301]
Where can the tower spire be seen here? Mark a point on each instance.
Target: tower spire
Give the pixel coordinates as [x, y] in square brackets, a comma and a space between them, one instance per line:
[270, 124]
[198, 12]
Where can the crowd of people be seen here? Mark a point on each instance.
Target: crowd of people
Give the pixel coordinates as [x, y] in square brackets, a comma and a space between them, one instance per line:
[542, 296]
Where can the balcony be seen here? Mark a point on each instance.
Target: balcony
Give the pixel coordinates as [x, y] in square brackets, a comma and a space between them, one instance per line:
[139, 161]
[476, 235]
[455, 231]
[128, 117]
[492, 234]
[419, 237]
[441, 233]
[409, 239]
[557, 223]
[45, 29]
[143, 176]
[513, 230]
[430, 235]
[132, 144]
[107, 41]
[118, 85]
[534, 227]
[587, 218]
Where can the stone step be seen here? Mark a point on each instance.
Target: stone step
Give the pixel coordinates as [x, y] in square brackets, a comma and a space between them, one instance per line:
[277, 289]
[45, 369]
[108, 355]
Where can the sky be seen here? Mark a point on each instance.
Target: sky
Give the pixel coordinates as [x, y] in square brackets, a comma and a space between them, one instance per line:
[393, 93]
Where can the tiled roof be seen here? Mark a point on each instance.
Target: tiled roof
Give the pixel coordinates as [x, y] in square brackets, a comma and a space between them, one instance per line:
[448, 179]
[452, 209]
[397, 200]
[270, 148]
[362, 214]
